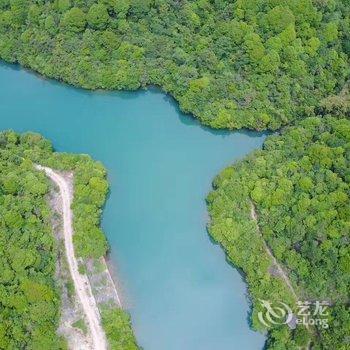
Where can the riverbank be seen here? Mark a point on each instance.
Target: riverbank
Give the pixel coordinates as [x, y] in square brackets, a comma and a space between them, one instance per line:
[277, 229]
[94, 292]
[160, 166]
[82, 286]
[72, 326]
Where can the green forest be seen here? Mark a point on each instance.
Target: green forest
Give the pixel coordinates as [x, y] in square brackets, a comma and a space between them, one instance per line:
[116, 324]
[299, 183]
[257, 64]
[29, 296]
[29, 299]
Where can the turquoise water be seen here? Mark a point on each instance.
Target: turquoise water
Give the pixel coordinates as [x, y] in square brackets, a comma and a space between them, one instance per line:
[181, 293]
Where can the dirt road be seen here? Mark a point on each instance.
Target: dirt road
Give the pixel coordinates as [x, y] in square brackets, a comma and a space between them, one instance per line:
[280, 270]
[81, 282]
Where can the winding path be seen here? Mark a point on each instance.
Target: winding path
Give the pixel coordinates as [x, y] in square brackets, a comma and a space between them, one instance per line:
[280, 270]
[81, 282]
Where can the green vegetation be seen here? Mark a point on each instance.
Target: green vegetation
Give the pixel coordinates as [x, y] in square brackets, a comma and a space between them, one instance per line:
[29, 297]
[258, 64]
[117, 326]
[29, 300]
[299, 184]
[80, 324]
[90, 190]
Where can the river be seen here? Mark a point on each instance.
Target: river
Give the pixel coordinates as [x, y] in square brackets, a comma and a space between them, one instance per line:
[175, 282]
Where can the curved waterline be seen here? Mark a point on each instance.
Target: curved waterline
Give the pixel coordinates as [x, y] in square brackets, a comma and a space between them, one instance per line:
[180, 291]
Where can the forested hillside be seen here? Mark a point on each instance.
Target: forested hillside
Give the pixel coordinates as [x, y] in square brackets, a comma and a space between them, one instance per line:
[29, 297]
[300, 185]
[258, 64]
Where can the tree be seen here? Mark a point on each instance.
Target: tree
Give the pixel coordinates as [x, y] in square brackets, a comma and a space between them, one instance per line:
[121, 8]
[74, 20]
[97, 16]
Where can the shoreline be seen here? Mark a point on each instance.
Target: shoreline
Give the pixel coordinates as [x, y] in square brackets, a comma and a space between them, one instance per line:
[109, 274]
[82, 285]
[94, 286]
[143, 88]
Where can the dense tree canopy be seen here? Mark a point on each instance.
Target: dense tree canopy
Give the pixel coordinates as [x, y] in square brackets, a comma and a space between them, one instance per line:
[300, 186]
[260, 64]
[29, 298]
[245, 63]
[117, 326]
